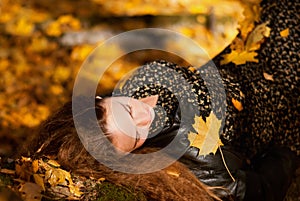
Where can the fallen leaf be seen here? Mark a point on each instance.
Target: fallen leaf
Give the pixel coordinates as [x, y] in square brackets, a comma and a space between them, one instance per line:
[23, 170]
[25, 159]
[268, 76]
[57, 176]
[7, 171]
[242, 94]
[39, 180]
[207, 138]
[53, 163]
[237, 104]
[35, 166]
[172, 171]
[101, 179]
[284, 33]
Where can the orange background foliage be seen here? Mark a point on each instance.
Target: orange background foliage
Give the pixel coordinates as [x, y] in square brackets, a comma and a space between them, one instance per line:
[44, 43]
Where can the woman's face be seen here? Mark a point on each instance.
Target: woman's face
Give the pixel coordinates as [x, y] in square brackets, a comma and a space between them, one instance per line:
[128, 120]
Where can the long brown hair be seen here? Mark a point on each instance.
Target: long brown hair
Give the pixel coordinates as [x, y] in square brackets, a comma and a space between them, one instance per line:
[58, 138]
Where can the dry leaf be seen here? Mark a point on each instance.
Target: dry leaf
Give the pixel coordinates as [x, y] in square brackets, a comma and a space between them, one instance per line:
[24, 171]
[239, 58]
[251, 15]
[207, 137]
[53, 163]
[39, 180]
[284, 33]
[7, 171]
[172, 171]
[237, 104]
[257, 36]
[101, 179]
[241, 53]
[268, 76]
[56, 176]
[242, 94]
[35, 166]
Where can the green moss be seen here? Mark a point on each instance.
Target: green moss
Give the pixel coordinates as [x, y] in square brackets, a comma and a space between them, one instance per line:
[5, 180]
[54, 199]
[111, 192]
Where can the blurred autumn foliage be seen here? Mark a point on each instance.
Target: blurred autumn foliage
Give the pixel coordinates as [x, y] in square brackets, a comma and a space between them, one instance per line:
[44, 43]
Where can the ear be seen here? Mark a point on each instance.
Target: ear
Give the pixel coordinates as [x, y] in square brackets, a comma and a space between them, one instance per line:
[150, 100]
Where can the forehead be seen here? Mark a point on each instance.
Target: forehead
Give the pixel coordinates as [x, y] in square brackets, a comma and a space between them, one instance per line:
[118, 115]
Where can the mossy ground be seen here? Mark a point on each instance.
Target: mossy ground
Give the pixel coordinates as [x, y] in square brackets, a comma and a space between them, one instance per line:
[106, 191]
[93, 190]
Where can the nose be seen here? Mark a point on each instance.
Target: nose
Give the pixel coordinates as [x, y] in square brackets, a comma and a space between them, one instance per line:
[142, 120]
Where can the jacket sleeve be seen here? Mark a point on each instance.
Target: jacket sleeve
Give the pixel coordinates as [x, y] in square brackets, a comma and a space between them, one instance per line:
[264, 178]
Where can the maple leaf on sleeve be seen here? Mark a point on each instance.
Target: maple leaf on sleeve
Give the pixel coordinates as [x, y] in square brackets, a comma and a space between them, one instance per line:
[251, 14]
[245, 52]
[207, 138]
[257, 36]
[285, 33]
[237, 104]
[239, 58]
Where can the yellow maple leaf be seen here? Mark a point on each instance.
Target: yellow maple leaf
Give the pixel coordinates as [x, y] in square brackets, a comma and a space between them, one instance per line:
[251, 15]
[207, 137]
[239, 58]
[241, 53]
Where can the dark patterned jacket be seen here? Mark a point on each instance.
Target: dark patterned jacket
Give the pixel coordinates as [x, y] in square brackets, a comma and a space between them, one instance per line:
[270, 118]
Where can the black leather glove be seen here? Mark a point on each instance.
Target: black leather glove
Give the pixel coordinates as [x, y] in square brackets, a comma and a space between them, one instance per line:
[211, 170]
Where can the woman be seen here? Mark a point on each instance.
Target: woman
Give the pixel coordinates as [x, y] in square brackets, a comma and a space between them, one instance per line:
[128, 122]
[266, 176]
[58, 139]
